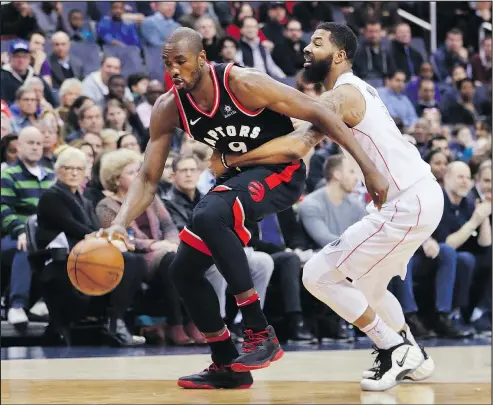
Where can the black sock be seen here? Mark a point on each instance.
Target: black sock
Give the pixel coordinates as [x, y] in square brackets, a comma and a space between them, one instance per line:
[223, 349]
[253, 316]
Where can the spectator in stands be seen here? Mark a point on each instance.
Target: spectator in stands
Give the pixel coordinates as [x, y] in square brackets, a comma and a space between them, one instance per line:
[465, 226]
[234, 29]
[157, 28]
[114, 31]
[63, 66]
[463, 110]
[94, 190]
[69, 91]
[441, 143]
[372, 60]
[137, 83]
[14, 74]
[252, 53]
[228, 48]
[62, 209]
[22, 185]
[481, 63]
[426, 96]
[48, 125]
[110, 138]
[9, 150]
[118, 117]
[482, 185]
[39, 60]
[49, 16]
[27, 102]
[311, 13]
[128, 141]
[450, 54]
[481, 13]
[277, 18]
[406, 58]
[78, 29]
[144, 109]
[396, 101]
[16, 18]
[95, 141]
[95, 85]
[35, 83]
[438, 162]
[90, 120]
[288, 53]
[206, 26]
[199, 9]
[72, 119]
[328, 212]
[421, 133]
[425, 73]
[156, 237]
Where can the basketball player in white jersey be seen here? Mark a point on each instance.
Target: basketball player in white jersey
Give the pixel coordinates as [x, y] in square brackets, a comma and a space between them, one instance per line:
[379, 247]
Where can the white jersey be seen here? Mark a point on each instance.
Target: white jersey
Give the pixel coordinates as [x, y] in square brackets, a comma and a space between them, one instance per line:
[397, 159]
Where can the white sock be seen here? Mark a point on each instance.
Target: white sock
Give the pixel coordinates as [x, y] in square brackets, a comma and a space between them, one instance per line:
[476, 314]
[383, 336]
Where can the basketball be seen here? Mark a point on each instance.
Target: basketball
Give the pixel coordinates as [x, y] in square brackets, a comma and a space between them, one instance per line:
[95, 266]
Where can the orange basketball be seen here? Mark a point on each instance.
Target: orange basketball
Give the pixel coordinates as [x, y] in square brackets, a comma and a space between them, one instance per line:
[95, 266]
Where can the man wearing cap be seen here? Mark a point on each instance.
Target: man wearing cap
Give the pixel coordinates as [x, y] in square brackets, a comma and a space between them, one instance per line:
[14, 74]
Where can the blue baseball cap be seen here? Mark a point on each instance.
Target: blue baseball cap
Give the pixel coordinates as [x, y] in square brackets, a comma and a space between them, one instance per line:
[19, 45]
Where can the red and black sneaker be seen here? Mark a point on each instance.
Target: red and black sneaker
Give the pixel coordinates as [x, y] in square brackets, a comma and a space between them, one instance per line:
[216, 377]
[259, 350]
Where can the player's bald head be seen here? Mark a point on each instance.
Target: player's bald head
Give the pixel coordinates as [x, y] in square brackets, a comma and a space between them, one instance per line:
[187, 39]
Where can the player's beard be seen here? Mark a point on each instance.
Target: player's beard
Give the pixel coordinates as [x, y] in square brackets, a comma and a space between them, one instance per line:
[195, 79]
[318, 70]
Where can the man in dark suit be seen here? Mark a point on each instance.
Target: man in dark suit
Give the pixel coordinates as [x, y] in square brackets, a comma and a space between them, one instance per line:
[406, 58]
[62, 65]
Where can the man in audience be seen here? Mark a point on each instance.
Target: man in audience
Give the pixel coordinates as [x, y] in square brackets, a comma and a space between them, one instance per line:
[465, 226]
[288, 54]
[28, 104]
[95, 141]
[17, 19]
[156, 28]
[396, 101]
[62, 65]
[452, 53]
[482, 185]
[329, 211]
[95, 85]
[39, 60]
[440, 142]
[90, 120]
[198, 9]
[426, 96]
[412, 88]
[206, 26]
[463, 110]
[252, 53]
[22, 185]
[14, 74]
[154, 89]
[406, 58]
[481, 63]
[114, 31]
[421, 134]
[372, 60]
[228, 48]
[49, 16]
[78, 29]
[137, 83]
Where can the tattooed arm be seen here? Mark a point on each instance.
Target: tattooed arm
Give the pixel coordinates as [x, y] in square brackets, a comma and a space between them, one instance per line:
[346, 102]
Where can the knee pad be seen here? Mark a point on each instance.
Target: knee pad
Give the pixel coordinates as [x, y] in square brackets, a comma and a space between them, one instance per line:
[321, 269]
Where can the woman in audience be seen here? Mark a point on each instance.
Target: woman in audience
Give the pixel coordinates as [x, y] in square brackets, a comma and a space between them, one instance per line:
[128, 141]
[62, 209]
[117, 116]
[110, 139]
[72, 119]
[438, 162]
[155, 235]
[70, 90]
[52, 138]
[8, 151]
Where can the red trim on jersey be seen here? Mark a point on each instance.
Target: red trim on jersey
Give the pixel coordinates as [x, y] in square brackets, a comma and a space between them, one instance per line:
[402, 240]
[194, 241]
[284, 177]
[181, 110]
[395, 206]
[238, 105]
[239, 222]
[384, 161]
[215, 106]
[221, 188]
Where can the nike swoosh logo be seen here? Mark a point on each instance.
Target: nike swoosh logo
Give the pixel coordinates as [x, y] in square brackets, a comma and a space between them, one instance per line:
[401, 363]
[192, 122]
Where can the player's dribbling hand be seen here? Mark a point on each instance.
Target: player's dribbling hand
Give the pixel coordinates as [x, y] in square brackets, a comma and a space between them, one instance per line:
[114, 233]
[378, 187]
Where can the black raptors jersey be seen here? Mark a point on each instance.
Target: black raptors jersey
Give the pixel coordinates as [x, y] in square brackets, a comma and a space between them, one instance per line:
[229, 127]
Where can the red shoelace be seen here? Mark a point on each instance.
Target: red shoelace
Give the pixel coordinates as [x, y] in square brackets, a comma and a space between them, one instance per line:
[253, 339]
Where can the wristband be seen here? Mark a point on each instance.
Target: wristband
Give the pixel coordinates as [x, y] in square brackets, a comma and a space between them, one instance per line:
[223, 160]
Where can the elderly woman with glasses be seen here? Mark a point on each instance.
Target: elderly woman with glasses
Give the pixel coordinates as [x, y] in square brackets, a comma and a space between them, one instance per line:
[63, 210]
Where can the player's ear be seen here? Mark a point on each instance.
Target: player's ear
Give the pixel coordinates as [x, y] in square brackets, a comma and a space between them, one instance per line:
[340, 56]
[202, 58]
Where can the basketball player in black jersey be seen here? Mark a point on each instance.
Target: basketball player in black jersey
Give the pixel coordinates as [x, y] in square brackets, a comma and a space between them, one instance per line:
[231, 109]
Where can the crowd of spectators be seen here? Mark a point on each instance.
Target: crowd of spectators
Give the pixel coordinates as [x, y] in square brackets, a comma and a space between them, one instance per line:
[73, 136]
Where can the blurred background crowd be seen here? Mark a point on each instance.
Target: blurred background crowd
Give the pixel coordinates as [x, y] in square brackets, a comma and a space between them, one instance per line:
[77, 85]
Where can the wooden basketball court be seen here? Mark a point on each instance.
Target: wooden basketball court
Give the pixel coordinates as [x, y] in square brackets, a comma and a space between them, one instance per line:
[462, 376]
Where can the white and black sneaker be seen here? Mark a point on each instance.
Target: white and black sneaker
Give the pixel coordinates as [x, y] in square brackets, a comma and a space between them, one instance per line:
[392, 366]
[421, 373]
